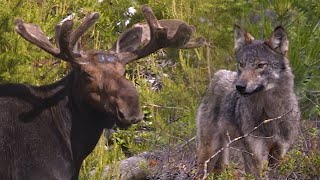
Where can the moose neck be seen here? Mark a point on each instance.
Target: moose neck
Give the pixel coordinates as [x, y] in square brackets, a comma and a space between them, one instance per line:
[77, 123]
[87, 123]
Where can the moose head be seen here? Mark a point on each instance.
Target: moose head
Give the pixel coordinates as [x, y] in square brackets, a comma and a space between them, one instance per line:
[69, 115]
[100, 74]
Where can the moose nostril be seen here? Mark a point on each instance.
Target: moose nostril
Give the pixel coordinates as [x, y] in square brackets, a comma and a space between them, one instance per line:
[137, 119]
[134, 120]
[241, 88]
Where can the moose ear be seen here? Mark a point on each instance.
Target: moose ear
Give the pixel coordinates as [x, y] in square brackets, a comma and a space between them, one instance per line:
[279, 40]
[241, 38]
[129, 40]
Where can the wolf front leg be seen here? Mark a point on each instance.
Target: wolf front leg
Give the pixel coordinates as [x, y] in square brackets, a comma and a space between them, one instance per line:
[213, 155]
[256, 157]
[277, 152]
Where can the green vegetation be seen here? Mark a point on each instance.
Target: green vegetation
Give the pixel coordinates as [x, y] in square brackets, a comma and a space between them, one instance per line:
[183, 74]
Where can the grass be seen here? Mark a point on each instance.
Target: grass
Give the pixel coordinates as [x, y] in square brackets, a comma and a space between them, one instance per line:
[170, 112]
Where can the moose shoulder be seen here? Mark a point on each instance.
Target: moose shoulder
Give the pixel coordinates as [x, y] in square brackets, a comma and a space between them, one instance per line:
[46, 132]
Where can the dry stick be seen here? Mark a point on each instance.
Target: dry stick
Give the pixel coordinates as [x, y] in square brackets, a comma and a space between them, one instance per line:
[240, 150]
[188, 141]
[208, 60]
[237, 139]
[165, 107]
[262, 137]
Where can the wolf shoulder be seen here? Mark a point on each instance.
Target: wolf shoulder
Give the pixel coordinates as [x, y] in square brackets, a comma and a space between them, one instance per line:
[223, 81]
[221, 87]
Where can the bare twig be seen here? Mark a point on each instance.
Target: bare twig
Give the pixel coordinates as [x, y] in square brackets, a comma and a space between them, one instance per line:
[188, 141]
[208, 60]
[240, 150]
[237, 139]
[261, 137]
[166, 107]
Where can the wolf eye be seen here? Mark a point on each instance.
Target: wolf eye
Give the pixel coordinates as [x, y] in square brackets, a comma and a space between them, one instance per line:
[261, 65]
[241, 65]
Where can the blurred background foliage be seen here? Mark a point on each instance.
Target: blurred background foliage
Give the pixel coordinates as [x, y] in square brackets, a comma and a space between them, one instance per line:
[170, 82]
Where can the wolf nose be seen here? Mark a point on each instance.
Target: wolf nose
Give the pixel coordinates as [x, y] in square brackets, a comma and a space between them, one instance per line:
[241, 88]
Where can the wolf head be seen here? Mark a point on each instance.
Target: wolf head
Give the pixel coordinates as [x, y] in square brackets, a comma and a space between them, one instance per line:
[260, 63]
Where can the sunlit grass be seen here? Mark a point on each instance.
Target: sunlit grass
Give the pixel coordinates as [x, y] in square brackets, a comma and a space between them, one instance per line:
[170, 112]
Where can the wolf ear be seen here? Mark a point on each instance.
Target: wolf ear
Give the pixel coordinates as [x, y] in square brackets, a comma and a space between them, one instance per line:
[279, 40]
[241, 38]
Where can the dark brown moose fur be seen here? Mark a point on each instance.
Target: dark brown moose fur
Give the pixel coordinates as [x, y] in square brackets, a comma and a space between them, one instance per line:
[46, 132]
[237, 102]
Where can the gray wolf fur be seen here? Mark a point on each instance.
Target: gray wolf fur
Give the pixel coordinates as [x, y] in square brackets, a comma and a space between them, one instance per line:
[236, 102]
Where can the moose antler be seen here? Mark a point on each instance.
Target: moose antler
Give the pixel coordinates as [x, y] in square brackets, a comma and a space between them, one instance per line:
[137, 42]
[154, 35]
[66, 39]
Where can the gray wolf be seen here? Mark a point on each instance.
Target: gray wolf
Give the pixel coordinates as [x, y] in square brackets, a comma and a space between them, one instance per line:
[236, 102]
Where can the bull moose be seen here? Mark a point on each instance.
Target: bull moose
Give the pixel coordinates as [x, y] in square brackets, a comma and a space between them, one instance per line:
[46, 132]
